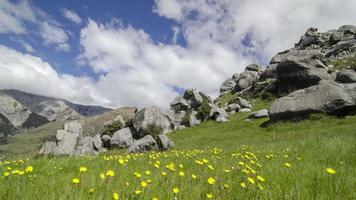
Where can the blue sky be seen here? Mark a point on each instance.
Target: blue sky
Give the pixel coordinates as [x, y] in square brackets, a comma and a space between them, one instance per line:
[145, 52]
[136, 13]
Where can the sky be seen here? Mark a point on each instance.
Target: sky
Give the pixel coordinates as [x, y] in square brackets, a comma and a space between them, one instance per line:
[117, 53]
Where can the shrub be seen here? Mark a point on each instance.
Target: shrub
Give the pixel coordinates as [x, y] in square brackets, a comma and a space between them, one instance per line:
[110, 129]
[204, 110]
[152, 129]
[186, 119]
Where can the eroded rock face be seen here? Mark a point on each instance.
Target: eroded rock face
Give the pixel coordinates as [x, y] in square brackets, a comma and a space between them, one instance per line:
[145, 144]
[13, 110]
[300, 69]
[151, 115]
[326, 97]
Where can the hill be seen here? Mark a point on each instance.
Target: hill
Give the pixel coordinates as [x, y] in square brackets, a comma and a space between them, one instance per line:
[283, 161]
[24, 110]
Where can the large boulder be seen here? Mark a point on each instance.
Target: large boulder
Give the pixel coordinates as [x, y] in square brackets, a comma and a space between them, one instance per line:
[150, 116]
[300, 69]
[217, 113]
[66, 146]
[145, 144]
[246, 79]
[164, 142]
[346, 76]
[48, 148]
[98, 144]
[193, 119]
[122, 138]
[106, 141]
[74, 127]
[85, 147]
[326, 97]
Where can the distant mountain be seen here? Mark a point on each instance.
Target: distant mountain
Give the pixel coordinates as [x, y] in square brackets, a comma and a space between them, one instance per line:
[6, 128]
[25, 110]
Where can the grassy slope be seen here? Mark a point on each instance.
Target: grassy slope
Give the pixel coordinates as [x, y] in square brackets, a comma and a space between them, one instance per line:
[28, 143]
[343, 63]
[321, 143]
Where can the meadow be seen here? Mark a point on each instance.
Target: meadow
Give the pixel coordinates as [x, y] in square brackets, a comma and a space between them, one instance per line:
[310, 159]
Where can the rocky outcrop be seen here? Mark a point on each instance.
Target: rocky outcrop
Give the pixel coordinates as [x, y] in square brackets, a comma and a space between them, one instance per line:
[193, 107]
[327, 97]
[150, 116]
[300, 69]
[13, 110]
[6, 128]
[71, 142]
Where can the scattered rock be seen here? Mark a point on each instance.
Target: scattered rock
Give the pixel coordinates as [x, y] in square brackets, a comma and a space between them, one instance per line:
[145, 144]
[259, 114]
[233, 108]
[243, 103]
[245, 110]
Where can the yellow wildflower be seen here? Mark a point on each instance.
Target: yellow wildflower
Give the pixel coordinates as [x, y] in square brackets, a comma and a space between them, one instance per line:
[144, 184]
[83, 169]
[243, 185]
[211, 181]
[330, 171]
[75, 180]
[175, 190]
[209, 196]
[110, 173]
[115, 196]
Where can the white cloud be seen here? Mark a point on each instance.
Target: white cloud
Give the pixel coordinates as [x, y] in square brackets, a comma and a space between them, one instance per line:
[32, 74]
[72, 16]
[176, 32]
[53, 34]
[137, 71]
[13, 16]
[27, 46]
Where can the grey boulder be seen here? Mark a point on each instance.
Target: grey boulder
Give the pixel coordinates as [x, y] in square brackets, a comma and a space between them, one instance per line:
[259, 114]
[164, 142]
[145, 144]
[150, 116]
[326, 97]
[346, 76]
[66, 146]
[300, 69]
[48, 148]
[122, 138]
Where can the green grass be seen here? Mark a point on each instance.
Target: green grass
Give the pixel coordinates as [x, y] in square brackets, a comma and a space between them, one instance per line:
[343, 63]
[310, 147]
[29, 142]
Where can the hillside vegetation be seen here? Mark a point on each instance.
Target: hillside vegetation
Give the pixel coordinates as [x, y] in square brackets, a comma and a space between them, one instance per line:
[311, 159]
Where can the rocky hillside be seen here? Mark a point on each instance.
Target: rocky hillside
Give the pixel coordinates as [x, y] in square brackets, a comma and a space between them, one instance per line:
[316, 76]
[24, 110]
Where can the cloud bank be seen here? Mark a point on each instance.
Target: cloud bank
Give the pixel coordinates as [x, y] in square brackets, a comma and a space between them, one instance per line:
[221, 38]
